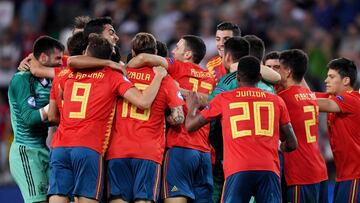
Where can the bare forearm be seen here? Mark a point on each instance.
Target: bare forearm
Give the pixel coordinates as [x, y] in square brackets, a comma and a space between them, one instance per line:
[288, 138]
[43, 72]
[176, 117]
[269, 75]
[150, 93]
[144, 59]
[328, 105]
[82, 61]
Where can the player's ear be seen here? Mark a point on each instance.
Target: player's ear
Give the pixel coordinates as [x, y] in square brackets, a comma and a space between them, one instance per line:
[346, 81]
[188, 55]
[43, 58]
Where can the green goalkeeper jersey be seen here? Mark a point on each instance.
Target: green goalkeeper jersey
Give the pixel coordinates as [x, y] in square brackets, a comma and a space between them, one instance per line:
[27, 94]
[229, 82]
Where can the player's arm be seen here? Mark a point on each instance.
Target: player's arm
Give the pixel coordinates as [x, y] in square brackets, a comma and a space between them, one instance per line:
[20, 91]
[328, 105]
[176, 117]
[288, 139]
[144, 100]
[269, 75]
[145, 59]
[203, 98]
[53, 114]
[30, 63]
[193, 120]
[82, 61]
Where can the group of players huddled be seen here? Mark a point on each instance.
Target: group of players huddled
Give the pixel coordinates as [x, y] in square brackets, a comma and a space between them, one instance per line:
[164, 129]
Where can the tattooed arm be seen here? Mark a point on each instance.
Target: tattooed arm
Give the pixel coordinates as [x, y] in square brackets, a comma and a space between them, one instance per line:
[176, 117]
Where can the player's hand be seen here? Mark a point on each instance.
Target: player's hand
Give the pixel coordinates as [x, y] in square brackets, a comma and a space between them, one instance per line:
[118, 66]
[25, 64]
[192, 102]
[159, 70]
[34, 63]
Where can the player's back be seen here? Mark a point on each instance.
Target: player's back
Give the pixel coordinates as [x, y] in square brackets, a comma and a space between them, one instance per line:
[190, 77]
[304, 112]
[89, 107]
[141, 133]
[250, 121]
[344, 136]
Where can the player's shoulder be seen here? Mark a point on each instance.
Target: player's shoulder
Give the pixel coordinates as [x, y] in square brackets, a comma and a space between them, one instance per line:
[214, 61]
[20, 76]
[228, 78]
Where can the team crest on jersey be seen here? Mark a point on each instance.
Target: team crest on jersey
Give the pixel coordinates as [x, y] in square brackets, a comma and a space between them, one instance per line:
[180, 96]
[341, 98]
[126, 79]
[31, 101]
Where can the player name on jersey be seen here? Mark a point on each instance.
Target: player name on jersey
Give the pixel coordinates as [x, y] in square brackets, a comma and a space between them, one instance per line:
[250, 94]
[200, 74]
[78, 75]
[305, 96]
[139, 76]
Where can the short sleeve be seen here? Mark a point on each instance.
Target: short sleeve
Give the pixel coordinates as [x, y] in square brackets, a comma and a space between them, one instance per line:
[120, 83]
[284, 114]
[173, 66]
[213, 109]
[346, 102]
[174, 96]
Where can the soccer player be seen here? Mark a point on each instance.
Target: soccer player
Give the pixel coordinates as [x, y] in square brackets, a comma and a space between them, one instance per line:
[187, 164]
[89, 106]
[28, 99]
[80, 23]
[137, 145]
[271, 60]
[305, 169]
[234, 49]
[101, 26]
[251, 119]
[224, 31]
[343, 127]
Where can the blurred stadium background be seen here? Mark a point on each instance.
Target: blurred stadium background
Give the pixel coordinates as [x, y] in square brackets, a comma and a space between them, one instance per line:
[325, 29]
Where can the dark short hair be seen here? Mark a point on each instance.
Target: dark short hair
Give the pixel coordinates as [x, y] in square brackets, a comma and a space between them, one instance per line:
[162, 49]
[272, 55]
[46, 44]
[96, 25]
[257, 46]
[297, 61]
[249, 70]
[99, 47]
[237, 47]
[116, 56]
[196, 45]
[76, 44]
[229, 26]
[345, 68]
[81, 21]
[143, 42]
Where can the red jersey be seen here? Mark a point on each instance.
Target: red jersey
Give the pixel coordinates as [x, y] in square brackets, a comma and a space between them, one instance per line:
[55, 88]
[89, 108]
[216, 68]
[190, 77]
[141, 133]
[250, 119]
[305, 165]
[344, 136]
